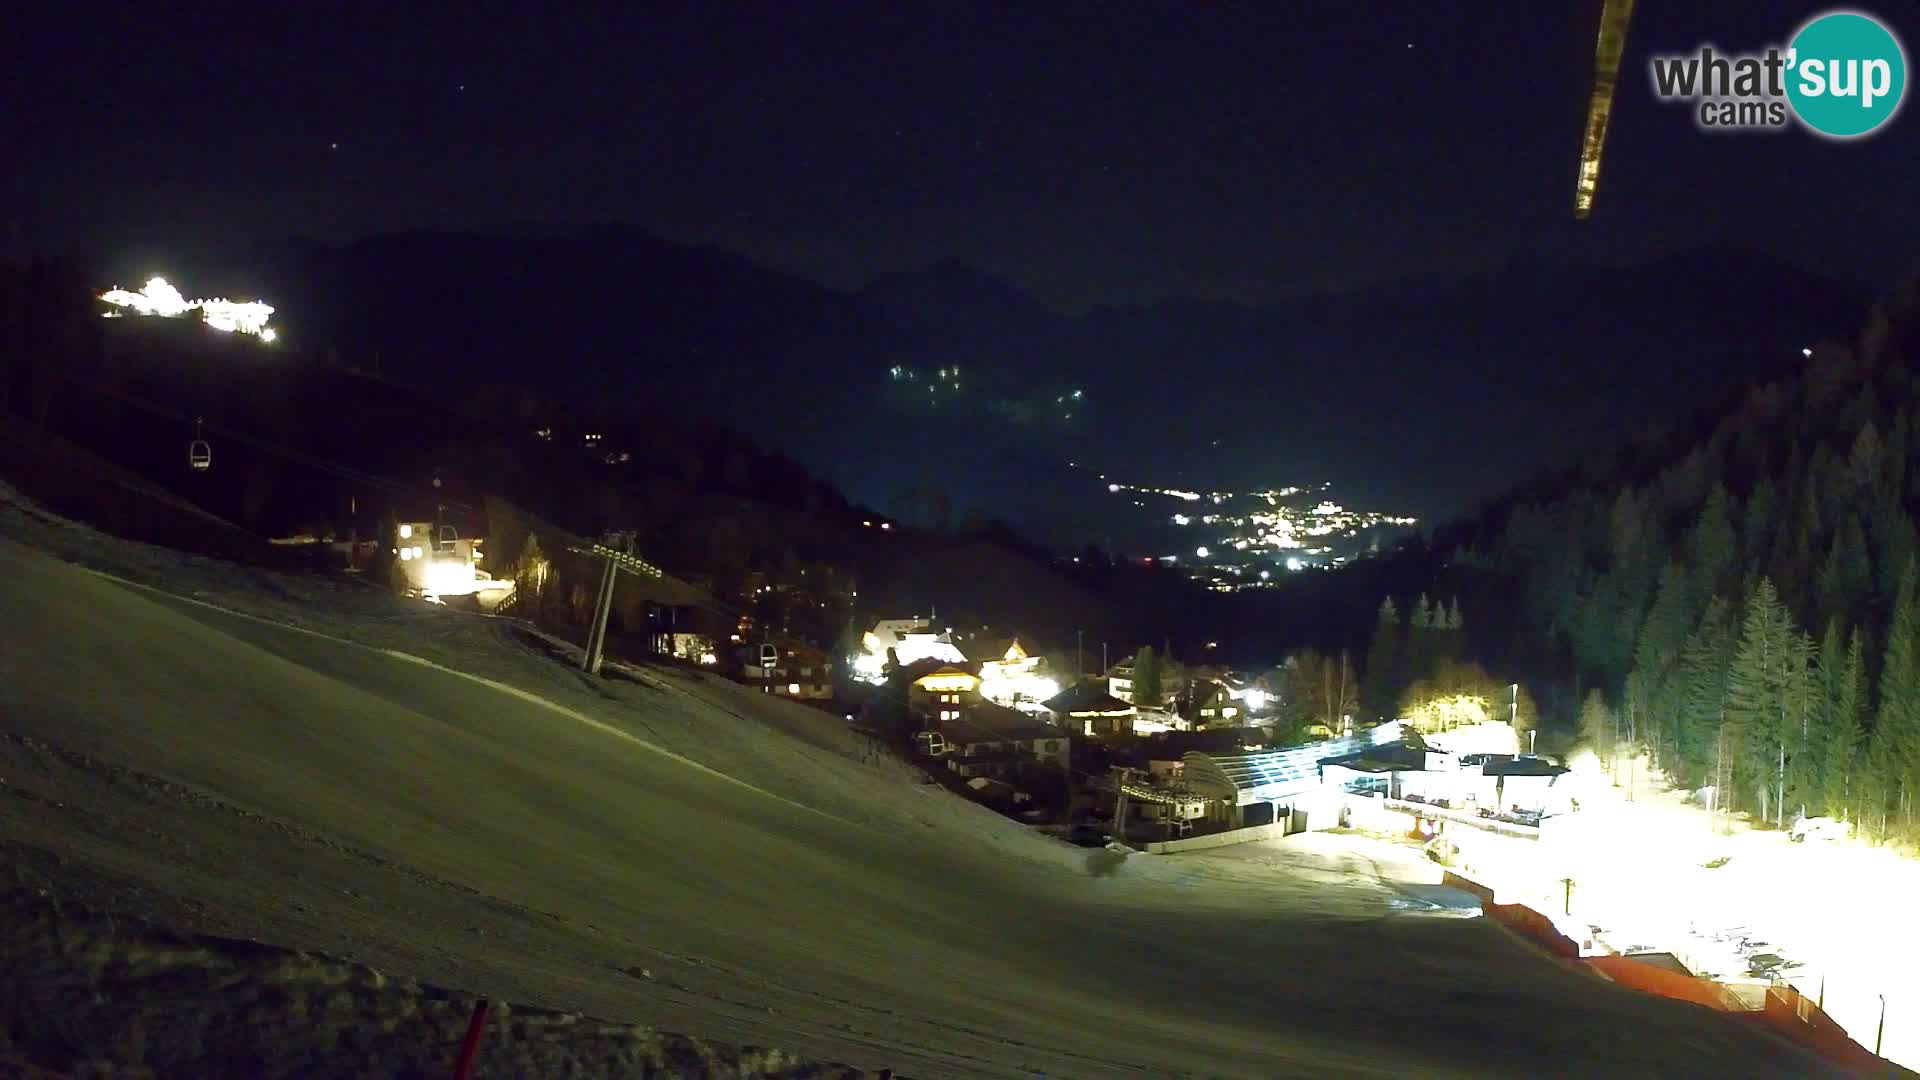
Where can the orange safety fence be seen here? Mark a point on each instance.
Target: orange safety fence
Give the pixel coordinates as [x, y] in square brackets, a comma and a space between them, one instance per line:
[1639, 975]
[1789, 1012]
[1467, 885]
[1529, 923]
[1781, 1008]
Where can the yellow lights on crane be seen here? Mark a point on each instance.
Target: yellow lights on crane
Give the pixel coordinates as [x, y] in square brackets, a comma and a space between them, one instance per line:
[1611, 43]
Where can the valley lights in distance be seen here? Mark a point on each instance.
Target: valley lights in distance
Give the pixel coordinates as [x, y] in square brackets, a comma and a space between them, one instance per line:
[1240, 537]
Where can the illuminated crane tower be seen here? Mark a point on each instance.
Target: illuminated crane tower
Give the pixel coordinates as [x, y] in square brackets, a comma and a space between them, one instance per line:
[1606, 70]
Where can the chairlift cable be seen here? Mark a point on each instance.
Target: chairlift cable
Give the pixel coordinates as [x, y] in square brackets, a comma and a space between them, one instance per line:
[321, 464]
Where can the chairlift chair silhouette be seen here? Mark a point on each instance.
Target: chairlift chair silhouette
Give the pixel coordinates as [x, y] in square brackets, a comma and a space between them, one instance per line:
[199, 454]
[448, 538]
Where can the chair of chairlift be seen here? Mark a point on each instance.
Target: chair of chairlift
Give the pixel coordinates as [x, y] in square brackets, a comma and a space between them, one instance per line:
[448, 538]
[199, 454]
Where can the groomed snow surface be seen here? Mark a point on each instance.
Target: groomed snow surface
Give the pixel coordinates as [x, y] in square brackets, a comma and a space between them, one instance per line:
[430, 799]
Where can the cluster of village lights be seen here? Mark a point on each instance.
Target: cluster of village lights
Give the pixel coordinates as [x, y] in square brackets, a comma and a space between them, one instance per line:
[1313, 532]
[159, 298]
[1006, 681]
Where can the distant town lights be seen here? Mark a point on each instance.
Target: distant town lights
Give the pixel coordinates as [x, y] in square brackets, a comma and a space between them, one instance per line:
[1200, 552]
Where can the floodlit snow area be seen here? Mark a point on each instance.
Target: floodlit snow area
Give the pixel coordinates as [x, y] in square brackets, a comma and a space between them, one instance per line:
[431, 797]
[1650, 873]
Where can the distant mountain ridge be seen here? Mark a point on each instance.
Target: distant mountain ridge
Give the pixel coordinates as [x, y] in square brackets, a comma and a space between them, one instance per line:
[1417, 396]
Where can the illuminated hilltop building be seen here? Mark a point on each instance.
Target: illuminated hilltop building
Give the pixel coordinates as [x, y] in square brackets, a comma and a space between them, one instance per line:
[159, 299]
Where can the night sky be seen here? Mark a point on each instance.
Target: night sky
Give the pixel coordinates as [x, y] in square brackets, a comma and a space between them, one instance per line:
[1089, 153]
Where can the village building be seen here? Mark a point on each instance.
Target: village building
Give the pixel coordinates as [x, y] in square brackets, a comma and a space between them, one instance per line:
[1087, 709]
[1208, 704]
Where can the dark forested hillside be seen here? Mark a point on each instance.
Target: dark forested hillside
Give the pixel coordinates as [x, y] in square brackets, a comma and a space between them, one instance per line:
[312, 442]
[1736, 595]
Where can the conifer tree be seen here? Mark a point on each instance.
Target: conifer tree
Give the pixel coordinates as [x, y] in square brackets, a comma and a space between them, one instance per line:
[1843, 739]
[1894, 545]
[1657, 653]
[1796, 559]
[1757, 525]
[1803, 740]
[1146, 677]
[1762, 688]
[1703, 693]
[1828, 676]
[1597, 728]
[1424, 641]
[1897, 725]
[1711, 547]
[1846, 576]
[1380, 684]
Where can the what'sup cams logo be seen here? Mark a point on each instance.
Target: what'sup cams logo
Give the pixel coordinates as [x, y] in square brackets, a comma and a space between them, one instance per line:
[1842, 76]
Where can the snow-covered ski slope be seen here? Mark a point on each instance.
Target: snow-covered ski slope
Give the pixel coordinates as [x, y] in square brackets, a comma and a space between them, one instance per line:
[256, 759]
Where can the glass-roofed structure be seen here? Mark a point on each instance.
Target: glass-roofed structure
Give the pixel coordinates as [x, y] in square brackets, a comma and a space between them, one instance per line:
[1243, 779]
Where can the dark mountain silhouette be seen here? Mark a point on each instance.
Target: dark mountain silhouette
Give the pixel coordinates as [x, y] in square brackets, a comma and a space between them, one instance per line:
[1417, 396]
[951, 307]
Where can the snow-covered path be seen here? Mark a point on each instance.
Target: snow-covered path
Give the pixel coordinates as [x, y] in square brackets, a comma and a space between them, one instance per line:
[235, 776]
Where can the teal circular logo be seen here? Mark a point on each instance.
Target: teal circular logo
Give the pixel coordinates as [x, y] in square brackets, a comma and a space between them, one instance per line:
[1846, 74]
